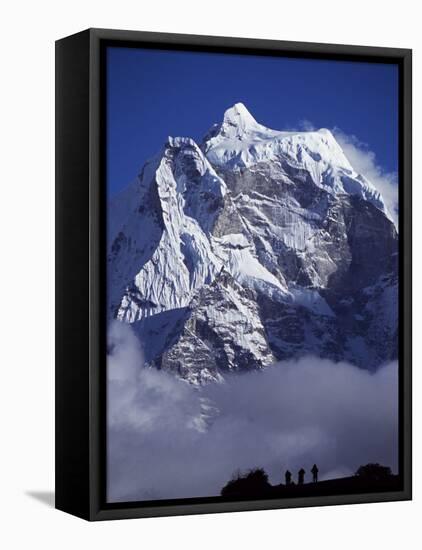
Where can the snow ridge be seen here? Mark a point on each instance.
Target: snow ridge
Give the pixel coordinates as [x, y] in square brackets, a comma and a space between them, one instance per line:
[240, 142]
[252, 247]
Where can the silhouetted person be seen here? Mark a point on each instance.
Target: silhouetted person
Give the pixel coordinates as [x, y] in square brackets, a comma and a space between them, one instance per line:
[314, 473]
[288, 477]
[301, 476]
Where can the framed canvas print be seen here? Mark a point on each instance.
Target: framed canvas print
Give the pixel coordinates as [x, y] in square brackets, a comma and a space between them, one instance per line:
[233, 274]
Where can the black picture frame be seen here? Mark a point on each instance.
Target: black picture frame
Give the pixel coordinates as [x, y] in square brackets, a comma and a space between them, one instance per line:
[80, 268]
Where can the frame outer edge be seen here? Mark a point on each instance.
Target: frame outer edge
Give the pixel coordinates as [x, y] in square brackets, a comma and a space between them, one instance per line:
[72, 361]
[95, 266]
[403, 56]
[407, 271]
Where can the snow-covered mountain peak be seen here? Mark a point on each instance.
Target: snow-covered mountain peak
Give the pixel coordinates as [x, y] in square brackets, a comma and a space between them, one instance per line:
[181, 142]
[240, 143]
[238, 125]
[239, 116]
[252, 248]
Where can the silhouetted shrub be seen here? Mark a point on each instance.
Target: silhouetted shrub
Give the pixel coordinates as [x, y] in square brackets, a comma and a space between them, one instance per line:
[254, 482]
[258, 476]
[374, 472]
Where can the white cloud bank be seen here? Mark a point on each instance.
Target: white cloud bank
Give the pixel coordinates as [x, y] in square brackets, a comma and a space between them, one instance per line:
[167, 439]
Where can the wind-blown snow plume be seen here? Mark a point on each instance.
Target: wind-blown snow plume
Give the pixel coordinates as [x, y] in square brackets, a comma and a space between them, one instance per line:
[365, 162]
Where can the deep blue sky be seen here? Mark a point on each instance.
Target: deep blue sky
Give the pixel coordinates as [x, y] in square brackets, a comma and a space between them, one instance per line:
[152, 94]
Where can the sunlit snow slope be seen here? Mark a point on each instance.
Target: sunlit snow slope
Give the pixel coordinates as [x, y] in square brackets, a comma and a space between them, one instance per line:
[254, 246]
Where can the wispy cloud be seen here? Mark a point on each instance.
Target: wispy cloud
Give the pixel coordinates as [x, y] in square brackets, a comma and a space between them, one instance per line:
[364, 161]
[306, 125]
[167, 439]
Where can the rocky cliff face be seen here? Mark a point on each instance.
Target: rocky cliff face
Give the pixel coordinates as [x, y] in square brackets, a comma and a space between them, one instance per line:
[253, 247]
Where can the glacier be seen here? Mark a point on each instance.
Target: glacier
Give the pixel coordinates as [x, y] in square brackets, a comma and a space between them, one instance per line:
[251, 247]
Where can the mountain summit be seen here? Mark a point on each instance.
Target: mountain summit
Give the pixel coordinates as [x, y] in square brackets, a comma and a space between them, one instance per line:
[241, 142]
[255, 246]
[239, 116]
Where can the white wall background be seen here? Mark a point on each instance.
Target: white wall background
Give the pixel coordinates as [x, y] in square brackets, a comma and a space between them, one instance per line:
[27, 272]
